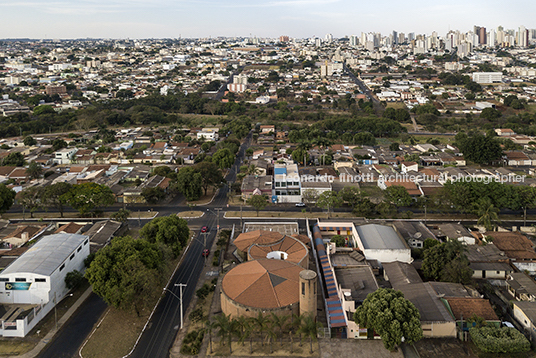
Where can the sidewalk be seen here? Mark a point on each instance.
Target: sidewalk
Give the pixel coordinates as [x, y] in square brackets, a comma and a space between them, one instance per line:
[43, 342]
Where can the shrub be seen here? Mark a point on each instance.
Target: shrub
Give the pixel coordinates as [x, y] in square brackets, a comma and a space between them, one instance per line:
[192, 343]
[196, 315]
[73, 279]
[499, 340]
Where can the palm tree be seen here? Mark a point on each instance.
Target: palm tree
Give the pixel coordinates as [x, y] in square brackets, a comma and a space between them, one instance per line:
[252, 169]
[310, 329]
[262, 323]
[297, 321]
[241, 323]
[227, 328]
[488, 214]
[272, 335]
[209, 326]
[279, 322]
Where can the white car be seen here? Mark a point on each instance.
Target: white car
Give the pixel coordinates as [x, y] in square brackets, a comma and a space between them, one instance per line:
[300, 205]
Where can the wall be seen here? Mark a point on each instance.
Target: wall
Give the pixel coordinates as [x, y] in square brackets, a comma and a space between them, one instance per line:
[389, 255]
[230, 307]
[289, 198]
[526, 266]
[439, 329]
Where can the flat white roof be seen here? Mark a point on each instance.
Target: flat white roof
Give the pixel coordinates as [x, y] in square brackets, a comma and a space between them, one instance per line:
[46, 255]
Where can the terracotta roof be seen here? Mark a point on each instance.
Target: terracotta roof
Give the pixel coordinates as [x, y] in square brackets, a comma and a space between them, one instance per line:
[263, 283]
[5, 170]
[295, 249]
[410, 186]
[514, 245]
[470, 306]
[70, 228]
[262, 237]
[18, 173]
[302, 238]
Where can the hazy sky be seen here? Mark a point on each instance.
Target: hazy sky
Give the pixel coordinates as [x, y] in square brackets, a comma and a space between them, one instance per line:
[270, 18]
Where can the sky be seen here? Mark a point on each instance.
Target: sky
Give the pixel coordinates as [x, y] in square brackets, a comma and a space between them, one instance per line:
[65, 19]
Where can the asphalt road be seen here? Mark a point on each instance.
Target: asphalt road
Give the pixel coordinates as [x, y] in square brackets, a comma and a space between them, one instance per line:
[73, 333]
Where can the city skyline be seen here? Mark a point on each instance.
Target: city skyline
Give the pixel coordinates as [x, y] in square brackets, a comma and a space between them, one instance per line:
[66, 19]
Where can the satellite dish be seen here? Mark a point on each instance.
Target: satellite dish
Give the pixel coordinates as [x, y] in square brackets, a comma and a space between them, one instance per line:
[347, 294]
[417, 235]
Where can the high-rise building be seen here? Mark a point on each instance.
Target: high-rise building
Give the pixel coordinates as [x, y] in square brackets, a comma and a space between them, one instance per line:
[283, 38]
[482, 38]
[401, 38]
[411, 36]
[492, 38]
[522, 37]
[395, 38]
[354, 41]
[329, 38]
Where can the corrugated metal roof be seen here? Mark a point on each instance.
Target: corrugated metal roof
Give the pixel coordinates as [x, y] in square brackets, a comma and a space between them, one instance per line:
[375, 236]
[46, 255]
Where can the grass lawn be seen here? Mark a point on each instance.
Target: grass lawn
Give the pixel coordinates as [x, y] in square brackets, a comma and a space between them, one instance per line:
[396, 105]
[443, 139]
[286, 214]
[116, 335]
[55, 215]
[190, 214]
[264, 351]
[205, 199]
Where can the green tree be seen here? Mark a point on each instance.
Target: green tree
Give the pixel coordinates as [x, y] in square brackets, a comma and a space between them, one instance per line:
[7, 196]
[29, 141]
[488, 214]
[329, 200]
[262, 323]
[393, 317]
[73, 279]
[436, 259]
[14, 159]
[128, 273]
[162, 170]
[30, 199]
[121, 215]
[480, 149]
[299, 154]
[53, 196]
[168, 230]
[338, 240]
[43, 109]
[227, 327]
[457, 271]
[88, 197]
[34, 170]
[394, 147]
[352, 195]
[309, 328]
[398, 196]
[223, 158]
[189, 183]
[258, 202]
[211, 175]
[153, 195]
[58, 144]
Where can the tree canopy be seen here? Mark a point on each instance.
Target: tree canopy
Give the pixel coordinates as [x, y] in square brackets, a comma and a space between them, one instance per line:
[7, 196]
[389, 314]
[88, 197]
[128, 273]
[168, 230]
[259, 202]
[479, 148]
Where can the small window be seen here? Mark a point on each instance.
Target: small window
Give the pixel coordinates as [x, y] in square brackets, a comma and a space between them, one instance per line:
[85, 242]
[3, 279]
[498, 272]
[303, 288]
[72, 257]
[20, 279]
[79, 248]
[62, 267]
[40, 280]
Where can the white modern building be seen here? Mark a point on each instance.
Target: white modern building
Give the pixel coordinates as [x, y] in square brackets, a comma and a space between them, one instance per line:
[487, 77]
[34, 283]
[64, 156]
[208, 134]
[287, 184]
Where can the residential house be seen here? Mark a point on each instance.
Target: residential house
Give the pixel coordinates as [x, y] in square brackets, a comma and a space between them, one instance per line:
[64, 156]
[409, 166]
[525, 314]
[256, 185]
[516, 158]
[487, 261]
[521, 286]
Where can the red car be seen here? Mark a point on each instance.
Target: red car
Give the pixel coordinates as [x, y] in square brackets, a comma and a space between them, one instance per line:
[205, 252]
[204, 229]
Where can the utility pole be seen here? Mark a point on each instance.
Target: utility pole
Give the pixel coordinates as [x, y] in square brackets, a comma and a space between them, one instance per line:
[218, 219]
[181, 285]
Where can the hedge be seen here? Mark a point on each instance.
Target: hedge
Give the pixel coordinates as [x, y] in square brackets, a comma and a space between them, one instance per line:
[499, 340]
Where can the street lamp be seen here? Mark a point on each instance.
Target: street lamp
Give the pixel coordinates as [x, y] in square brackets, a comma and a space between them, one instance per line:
[217, 217]
[56, 311]
[181, 285]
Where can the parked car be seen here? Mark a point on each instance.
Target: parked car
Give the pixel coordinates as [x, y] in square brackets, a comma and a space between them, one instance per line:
[300, 205]
[204, 229]
[205, 252]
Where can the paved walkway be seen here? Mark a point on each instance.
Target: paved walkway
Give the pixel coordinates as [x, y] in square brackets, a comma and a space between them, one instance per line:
[45, 340]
